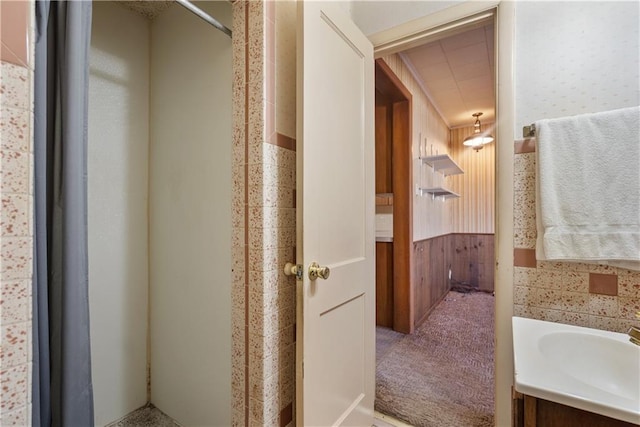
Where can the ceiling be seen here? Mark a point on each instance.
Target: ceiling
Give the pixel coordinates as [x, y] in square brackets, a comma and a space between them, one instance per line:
[457, 72]
[148, 9]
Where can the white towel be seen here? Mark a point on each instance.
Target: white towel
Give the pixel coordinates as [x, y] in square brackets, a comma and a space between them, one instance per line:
[588, 188]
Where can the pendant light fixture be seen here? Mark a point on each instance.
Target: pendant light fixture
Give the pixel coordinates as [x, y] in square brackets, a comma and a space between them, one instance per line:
[479, 138]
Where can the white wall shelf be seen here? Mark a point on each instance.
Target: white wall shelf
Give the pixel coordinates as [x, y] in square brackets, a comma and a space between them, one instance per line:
[437, 192]
[442, 163]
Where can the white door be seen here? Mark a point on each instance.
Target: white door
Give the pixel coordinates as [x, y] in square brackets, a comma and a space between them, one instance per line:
[336, 192]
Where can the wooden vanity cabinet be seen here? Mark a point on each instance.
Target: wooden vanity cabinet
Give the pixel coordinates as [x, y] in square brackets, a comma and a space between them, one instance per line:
[531, 411]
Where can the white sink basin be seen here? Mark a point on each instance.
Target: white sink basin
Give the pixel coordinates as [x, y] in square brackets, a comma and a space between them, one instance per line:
[589, 369]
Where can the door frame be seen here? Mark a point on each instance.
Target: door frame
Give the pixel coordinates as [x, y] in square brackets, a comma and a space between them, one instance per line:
[401, 102]
[419, 31]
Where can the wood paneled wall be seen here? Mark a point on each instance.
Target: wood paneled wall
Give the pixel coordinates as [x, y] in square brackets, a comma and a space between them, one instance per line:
[429, 275]
[474, 211]
[471, 257]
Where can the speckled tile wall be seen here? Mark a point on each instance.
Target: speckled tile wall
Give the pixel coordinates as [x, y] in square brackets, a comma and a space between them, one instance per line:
[16, 160]
[263, 371]
[596, 296]
[263, 323]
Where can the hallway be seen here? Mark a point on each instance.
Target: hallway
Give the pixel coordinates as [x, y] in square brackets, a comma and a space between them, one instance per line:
[443, 374]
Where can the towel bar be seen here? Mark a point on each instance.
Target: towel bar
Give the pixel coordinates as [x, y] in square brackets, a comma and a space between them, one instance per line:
[529, 131]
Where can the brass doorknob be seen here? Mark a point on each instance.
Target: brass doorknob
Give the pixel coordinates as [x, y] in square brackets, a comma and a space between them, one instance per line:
[316, 271]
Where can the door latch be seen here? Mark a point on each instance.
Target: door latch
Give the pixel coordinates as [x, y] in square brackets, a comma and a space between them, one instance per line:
[291, 269]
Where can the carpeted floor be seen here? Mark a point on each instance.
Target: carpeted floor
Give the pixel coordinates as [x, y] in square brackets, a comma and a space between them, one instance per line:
[385, 340]
[147, 416]
[442, 375]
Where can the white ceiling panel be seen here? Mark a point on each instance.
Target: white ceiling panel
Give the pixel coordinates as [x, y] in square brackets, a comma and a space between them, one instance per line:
[436, 71]
[467, 38]
[428, 54]
[469, 71]
[458, 74]
[444, 85]
[467, 54]
[475, 84]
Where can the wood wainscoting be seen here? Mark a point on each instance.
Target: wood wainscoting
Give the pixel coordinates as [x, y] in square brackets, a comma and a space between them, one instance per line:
[430, 282]
[470, 257]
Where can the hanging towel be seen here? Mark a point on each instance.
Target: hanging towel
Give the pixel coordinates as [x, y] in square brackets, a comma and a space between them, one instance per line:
[588, 188]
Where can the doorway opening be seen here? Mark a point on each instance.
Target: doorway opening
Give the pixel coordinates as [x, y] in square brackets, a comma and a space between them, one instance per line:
[393, 113]
[441, 373]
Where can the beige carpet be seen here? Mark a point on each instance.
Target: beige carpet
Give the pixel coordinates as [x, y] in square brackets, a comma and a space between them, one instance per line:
[442, 375]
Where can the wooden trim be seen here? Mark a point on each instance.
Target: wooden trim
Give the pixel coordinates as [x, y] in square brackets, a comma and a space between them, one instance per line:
[391, 85]
[391, 89]
[454, 234]
[384, 121]
[403, 312]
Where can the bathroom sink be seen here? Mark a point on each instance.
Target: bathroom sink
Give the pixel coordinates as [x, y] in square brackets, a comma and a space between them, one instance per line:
[589, 369]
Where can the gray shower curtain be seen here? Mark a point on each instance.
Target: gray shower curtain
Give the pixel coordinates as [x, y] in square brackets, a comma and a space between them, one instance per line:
[62, 391]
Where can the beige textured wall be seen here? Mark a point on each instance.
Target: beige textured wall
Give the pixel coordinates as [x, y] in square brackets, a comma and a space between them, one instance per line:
[118, 151]
[430, 136]
[474, 211]
[591, 57]
[16, 220]
[190, 216]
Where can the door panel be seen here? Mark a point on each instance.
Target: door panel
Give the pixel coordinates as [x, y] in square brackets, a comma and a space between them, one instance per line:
[339, 374]
[336, 190]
